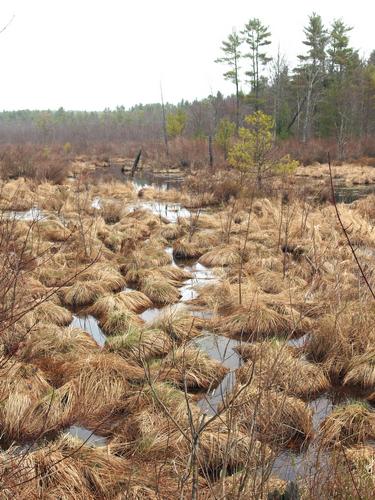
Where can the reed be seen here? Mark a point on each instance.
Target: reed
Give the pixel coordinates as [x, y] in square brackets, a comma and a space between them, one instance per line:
[273, 364]
[278, 419]
[348, 425]
[191, 368]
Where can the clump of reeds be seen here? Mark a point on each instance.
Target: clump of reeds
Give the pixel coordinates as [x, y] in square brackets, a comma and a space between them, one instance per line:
[111, 211]
[338, 337]
[52, 230]
[190, 368]
[347, 425]
[228, 255]
[18, 377]
[277, 418]
[50, 347]
[81, 293]
[248, 484]
[361, 371]
[256, 322]
[134, 301]
[140, 345]
[67, 468]
[184, 249]
[223, 445]
[160, 290]
[119, 322]
[151, 256]
[172, 232]
[174, 274]
[49, 312]
[103, 378]
[110, 277]
[274, 364]
[54, 277]
[178, 324]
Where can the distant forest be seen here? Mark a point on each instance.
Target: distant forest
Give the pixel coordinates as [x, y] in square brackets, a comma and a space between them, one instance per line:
[328, 96]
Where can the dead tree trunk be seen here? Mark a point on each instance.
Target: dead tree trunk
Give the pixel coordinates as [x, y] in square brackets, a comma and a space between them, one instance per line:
[210, 152]
[135, 164]
[164, 122]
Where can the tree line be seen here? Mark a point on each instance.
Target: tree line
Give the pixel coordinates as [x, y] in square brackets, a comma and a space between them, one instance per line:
[329, 94]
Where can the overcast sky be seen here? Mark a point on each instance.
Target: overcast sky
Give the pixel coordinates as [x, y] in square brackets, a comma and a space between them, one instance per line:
[93, 54]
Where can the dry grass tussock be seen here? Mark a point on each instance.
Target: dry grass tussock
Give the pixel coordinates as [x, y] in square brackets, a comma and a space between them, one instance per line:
[154, 431]
[133, 301]
[250, 486]
[361, 371]
[184, 249]
[53, 230]
[191, 368]
[221, 256]
[149, 258]
[49, 312]
[103, 378]
[120, 322]
[82, 293]
[178, 324]
[274, 365]
[276, 418]
[158, 289]
[66, 468]
[50, 347]
[348, 425]
[260, 320]
[17, 195]
[337, 337]
[140, 345]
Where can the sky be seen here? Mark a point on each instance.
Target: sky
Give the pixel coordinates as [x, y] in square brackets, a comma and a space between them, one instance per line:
[92, 55]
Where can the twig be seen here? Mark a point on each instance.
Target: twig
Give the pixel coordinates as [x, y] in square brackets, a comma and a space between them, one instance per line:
[345, 231]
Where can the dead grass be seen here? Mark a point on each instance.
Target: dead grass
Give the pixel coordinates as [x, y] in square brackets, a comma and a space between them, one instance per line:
[159, 290]
[82, 293]
[119, 322]
[183, 249]
[348, 425]
[191, 367]
[361, 371]
[178, 324]
[275, 365]
[49, 312]
[278, 419]
[248, 485]
[50, 347]
[228, 255]
[133, 301]
[140, 345]
[53, 230]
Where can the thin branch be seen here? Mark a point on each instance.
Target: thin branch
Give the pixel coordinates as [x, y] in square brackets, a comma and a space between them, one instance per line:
[345, 231]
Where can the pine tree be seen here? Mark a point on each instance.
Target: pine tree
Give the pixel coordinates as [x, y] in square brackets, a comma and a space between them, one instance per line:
[256, 35]
[339, 52]
[231, 57]
[312, 68]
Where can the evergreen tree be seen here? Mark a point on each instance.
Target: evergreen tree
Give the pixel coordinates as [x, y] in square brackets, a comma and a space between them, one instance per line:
[231, 57]
[339, 52]
[256, 36]
[312, 69]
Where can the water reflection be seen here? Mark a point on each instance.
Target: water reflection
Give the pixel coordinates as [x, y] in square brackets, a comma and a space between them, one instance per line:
[90, 325]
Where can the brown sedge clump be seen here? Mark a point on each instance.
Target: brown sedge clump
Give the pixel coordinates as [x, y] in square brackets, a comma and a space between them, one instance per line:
[274, 365]
[191, 368]
[348, 425]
